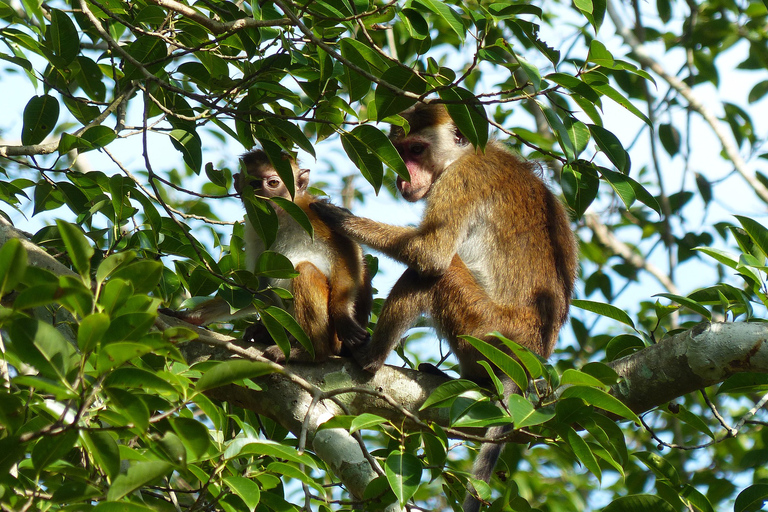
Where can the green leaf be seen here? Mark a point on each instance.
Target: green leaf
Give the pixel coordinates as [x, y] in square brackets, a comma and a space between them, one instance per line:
[576, 378]
[639, 503]
[13, 264]
[451, 17]
[529, 360]
[50, 449]
[103, 448]
[277, 333]
[113, 262]
[144, 275]
[130, 406]
[137, 476]
[628, 189]
[91, 330]
[246, 489]
[227, 372]
[669, 138]
[611, 146]
[558, 128]
[242, 446]
[525, 415]
[503, 361]
[582, 451]
[756, 232]
[403, 471]
[98, 136]
[62, 37]
[469, 117]
[662, 468]
[190, 146]
[40, 116]
[445, 393]
[41, 345]
[752, 498]
[193, 434]
[599, 54]
[261, 216]
[121, 506]
[370, 167]
[692, 495]
[601, 400]
[688, 303]
[366, 421]
[606, 310]
[381, 147]
[387, 101]
[79, 248]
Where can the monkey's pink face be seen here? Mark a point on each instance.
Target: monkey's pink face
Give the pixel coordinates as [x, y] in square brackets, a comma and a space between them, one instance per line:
[415, 153]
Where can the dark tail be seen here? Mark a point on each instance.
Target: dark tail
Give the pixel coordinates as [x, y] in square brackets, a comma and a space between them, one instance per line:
[484, 464]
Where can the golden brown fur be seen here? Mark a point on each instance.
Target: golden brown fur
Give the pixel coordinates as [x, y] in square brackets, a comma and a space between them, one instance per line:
[493, 252]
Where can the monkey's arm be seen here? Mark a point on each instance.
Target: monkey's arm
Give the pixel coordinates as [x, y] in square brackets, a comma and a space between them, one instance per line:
[428, 249]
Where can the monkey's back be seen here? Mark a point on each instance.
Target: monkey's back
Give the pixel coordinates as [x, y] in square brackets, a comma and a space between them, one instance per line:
[516, 239]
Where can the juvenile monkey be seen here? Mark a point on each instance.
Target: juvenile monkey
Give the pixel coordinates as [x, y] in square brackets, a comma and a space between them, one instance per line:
[493, 252]
[332, 293]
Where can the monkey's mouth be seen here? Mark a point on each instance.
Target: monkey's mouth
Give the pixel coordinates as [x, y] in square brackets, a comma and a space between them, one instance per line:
[411, 192]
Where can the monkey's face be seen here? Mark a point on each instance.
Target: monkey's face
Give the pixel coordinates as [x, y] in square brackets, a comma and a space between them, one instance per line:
[267, 183]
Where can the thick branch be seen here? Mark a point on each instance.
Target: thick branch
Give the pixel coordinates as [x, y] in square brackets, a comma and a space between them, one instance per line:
[695, 359]
[218, 27]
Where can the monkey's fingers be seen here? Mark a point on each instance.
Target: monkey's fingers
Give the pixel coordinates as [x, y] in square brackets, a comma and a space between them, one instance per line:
[353, 335]
[331, 214]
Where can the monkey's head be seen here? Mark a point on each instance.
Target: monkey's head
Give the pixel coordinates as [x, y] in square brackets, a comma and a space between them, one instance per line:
[266, 182]
[432, 145]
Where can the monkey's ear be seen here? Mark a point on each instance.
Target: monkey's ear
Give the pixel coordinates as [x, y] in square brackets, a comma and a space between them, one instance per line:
[459, 137]
[302, 180]
[237, 178]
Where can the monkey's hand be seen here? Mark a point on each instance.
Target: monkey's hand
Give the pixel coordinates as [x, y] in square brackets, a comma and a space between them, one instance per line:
[351, 334]
[330, 214]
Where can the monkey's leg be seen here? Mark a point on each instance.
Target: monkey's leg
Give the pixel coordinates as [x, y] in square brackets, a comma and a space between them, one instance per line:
[347, 284]
[310, 293]
[409, 298]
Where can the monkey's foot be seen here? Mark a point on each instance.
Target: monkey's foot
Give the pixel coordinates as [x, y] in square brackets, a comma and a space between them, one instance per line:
[353, 335]
[431, 369]
[274, 353]
[368, 361]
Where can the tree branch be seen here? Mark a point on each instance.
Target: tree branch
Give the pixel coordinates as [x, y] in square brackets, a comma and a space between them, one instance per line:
[644, 57]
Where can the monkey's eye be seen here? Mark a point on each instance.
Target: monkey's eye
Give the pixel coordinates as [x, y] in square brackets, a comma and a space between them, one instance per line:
[418, 148]
[273, 183]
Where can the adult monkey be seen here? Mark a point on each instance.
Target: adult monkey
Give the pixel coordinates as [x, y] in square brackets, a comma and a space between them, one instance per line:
[494, 252]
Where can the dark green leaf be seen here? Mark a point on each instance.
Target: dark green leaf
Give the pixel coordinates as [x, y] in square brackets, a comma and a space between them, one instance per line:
[40, 116]
[227, 372]
[503, 361]
[752, 498]
[246, 489]
[50, 449]
[62, 37]
[190, 146]
[606, 310]
[403, 472]
[639, 503]
[13, 264]
[387, 101]
[138, 475]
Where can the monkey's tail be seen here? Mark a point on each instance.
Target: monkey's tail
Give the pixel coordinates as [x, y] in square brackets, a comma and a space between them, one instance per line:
[484, 464]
